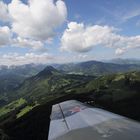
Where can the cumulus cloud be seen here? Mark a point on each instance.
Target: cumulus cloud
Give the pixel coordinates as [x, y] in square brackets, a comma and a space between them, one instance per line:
[5, 35]
[7, 39]
[80, 38]
[31, 25]
[120, 51]
[38, 19]
[28, 43]
[4, 14]
[18, 59]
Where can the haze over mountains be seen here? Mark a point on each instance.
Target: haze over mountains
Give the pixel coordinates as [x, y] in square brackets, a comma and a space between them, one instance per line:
[125, 61]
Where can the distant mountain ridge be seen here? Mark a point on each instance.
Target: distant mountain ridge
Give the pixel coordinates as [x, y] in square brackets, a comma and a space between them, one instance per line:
[124, 61]
[96, 68]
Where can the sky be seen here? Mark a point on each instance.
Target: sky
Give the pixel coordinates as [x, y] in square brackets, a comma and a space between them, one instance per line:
[61, 31]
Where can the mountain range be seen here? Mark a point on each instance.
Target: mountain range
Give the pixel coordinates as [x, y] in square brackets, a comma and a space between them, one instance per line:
[18, 77]
[96, 68]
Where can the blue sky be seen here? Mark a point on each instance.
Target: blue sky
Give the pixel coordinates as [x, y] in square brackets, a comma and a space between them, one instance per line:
[87, 29]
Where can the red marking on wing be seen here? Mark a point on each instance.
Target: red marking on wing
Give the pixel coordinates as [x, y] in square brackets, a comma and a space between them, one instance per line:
[75, 109]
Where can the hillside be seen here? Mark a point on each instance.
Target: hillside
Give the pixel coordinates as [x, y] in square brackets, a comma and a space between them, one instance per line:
[11, 77]
[96, 68]
[48, 83]
[118, 93]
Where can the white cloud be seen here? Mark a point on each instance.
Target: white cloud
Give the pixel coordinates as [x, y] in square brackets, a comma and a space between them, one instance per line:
[42, 58]
[4, 15]
[81, 38]
[120, 51]
[31, 25]
[5, 35]
[38, 19]
[17, 59]
[7, 39]
[28, 43]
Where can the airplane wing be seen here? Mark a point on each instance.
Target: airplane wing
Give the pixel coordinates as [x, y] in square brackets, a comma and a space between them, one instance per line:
[73, 120]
